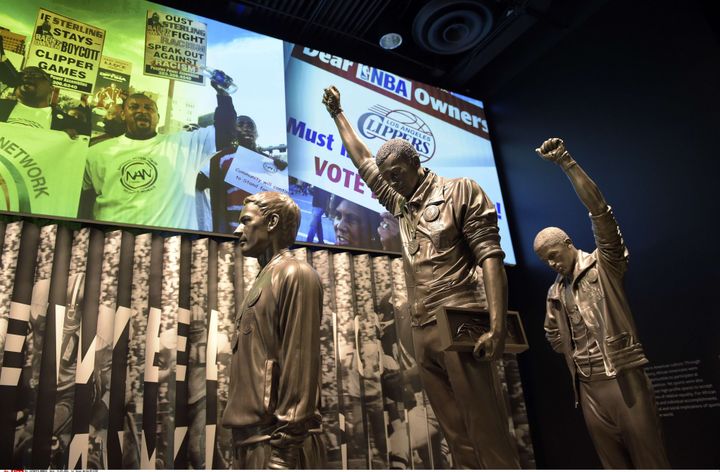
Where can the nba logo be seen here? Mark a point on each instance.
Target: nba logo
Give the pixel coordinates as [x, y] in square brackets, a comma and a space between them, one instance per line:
[364, 72]
[384, 80]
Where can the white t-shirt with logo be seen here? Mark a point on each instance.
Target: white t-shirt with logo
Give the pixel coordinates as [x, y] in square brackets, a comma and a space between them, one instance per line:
[149, 182]
[29, 116]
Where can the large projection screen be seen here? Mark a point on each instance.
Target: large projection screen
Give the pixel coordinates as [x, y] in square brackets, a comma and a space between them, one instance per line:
[208, 153]
[449, 132]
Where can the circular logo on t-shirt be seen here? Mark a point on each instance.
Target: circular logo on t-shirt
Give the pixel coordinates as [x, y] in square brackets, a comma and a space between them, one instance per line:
[138, 174]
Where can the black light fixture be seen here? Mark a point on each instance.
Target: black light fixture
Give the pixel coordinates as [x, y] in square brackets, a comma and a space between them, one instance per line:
[451, 26]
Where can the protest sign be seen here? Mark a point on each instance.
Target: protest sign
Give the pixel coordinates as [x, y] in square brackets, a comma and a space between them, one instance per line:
[254, 172]
[67, 49]
[14, 45]
[449, 132]
[111, 88]
[175, 47]
[113, 82]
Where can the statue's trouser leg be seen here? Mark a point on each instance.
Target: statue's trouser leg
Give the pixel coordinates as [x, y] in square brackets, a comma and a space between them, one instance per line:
[468, 402]
[624, 426]
[313, 454]
[254, 456]
[257, 456]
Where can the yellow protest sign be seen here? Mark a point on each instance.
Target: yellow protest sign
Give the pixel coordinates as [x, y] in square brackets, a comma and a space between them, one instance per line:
[175, 47]
[67, 49]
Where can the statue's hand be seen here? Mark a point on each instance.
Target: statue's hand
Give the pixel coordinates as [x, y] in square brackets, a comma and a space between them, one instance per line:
[553, 150]
[285, 450]
[489, 346]
[331, 100]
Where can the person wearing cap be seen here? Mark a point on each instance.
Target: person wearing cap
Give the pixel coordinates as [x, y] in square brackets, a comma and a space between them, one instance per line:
[588, 321]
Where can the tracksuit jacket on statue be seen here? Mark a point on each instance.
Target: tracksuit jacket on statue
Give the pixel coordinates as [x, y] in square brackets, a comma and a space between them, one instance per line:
[275, 370]
[601, 300]
[456, 231]
[617, 400]
[447, 228]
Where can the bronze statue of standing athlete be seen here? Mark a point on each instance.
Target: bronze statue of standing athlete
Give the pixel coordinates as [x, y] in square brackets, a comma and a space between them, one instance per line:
[588, 320]
[448, 228]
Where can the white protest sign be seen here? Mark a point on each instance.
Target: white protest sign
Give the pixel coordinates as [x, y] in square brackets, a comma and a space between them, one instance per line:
[254, 172]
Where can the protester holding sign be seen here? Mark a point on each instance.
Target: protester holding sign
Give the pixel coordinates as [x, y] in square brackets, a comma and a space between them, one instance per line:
[244, 136]
[147, 178]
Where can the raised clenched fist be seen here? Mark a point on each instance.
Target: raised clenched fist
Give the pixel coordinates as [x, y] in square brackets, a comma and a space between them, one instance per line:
[331, 100]
[553, 150]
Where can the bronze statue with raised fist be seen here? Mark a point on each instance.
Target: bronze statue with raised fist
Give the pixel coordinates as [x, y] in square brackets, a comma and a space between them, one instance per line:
[588, 320]
[448, 228]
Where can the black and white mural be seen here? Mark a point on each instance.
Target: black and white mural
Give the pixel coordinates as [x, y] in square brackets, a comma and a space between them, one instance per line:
[115, 352]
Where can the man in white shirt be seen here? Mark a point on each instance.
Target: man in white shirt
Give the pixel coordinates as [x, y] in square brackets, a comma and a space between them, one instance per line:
[146, 178]
[32, 107]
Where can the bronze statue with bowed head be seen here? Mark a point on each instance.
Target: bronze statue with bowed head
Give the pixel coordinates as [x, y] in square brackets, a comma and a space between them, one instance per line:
[448, 228]
[588, 320]
[275, 372]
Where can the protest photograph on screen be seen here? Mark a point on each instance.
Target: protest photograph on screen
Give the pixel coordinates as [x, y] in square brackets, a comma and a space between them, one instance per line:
[139, 114]
[136, 113]
[449, 132]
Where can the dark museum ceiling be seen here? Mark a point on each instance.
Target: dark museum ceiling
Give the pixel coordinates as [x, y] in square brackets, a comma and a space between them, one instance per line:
[469, 46]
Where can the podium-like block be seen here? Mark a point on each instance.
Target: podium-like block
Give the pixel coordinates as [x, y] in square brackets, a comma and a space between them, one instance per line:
[461, 327]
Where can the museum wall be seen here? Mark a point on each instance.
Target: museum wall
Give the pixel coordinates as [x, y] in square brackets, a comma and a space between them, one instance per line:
[115, 351]
[635, 93]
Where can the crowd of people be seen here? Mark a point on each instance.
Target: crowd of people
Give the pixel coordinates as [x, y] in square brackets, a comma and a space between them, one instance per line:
[135, 173]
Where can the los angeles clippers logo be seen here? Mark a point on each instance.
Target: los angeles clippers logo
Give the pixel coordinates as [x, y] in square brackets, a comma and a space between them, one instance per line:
[381, 122]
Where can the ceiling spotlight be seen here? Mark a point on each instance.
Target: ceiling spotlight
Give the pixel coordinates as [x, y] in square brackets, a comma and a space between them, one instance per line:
[390, 41]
